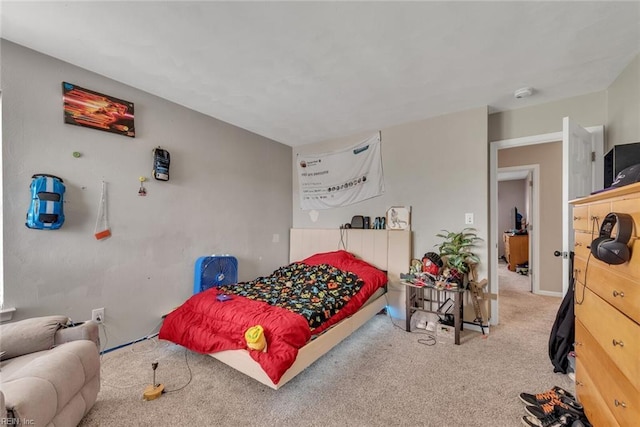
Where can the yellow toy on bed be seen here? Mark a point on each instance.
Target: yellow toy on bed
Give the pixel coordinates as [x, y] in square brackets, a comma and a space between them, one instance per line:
[255, 338]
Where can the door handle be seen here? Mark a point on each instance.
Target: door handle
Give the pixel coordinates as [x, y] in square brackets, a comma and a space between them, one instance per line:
[557, 253]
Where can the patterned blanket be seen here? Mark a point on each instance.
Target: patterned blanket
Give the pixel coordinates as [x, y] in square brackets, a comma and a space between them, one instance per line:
[316, 292]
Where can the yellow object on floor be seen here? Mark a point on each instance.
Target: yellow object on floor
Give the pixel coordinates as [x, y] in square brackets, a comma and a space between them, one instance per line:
[255, 338]
[152, 392]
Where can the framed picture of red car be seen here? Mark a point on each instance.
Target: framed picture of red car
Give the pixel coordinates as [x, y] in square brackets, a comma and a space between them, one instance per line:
[84, 107]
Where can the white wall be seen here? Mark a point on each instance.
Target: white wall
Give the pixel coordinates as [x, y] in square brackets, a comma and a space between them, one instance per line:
[230, 192]
[438, 166]
[617, 108]
[587, 110]
[623, 106]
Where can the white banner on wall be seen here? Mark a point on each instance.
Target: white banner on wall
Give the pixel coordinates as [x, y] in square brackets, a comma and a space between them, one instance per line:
[341, 178]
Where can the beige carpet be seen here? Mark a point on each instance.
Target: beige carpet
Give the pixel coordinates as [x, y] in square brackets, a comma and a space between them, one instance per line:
[379, 376]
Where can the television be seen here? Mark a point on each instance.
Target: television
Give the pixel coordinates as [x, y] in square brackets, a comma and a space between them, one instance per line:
[618, 158]
[517, 219]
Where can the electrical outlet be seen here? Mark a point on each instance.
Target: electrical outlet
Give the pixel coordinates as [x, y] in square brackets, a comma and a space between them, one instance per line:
[97, 314]
[468, 218]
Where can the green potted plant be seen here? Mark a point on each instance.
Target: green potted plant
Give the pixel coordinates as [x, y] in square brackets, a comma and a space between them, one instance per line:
[457, 251]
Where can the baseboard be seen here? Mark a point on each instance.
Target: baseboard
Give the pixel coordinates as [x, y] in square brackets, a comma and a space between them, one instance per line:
[476, 327]
[549, 294]
[148, 337]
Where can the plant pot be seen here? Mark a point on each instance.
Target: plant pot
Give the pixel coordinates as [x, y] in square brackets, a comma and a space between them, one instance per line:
[456, 276]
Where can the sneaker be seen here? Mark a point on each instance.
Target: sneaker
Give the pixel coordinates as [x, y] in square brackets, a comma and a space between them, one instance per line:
[548, 421]
[556, 406]
[544, 397]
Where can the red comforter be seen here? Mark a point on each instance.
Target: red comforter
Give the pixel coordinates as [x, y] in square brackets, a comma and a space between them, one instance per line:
[206, 325]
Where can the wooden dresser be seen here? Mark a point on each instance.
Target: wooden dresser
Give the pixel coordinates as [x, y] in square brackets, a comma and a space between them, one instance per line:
[607, 309]
[516, 249]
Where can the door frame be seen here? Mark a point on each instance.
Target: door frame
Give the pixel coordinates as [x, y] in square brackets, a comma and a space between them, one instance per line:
[493, 203]
[534, 233]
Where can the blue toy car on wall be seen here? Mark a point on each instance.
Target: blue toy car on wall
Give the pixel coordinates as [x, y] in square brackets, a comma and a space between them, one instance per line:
[47, 198]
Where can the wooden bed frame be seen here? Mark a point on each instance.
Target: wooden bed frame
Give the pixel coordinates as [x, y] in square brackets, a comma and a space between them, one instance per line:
[389, 250]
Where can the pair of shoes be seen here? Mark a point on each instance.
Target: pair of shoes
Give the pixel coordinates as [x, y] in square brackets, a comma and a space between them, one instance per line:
[546, 396]
[553, 408]
[552, 421]
[559, 406]
[561, 402]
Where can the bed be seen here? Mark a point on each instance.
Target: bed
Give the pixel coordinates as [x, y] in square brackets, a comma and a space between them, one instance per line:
[295, 335]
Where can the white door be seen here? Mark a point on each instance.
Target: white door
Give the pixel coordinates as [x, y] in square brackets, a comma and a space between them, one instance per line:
[582, 169]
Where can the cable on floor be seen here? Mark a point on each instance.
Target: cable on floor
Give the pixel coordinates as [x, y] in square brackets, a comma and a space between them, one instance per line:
[149, 337]
[429, 341]
[106, 339]
[186, 360]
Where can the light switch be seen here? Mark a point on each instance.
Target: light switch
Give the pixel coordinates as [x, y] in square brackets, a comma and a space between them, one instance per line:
[276, 238]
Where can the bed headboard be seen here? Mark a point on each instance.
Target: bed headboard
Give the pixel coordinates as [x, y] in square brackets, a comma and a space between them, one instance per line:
[389, 250]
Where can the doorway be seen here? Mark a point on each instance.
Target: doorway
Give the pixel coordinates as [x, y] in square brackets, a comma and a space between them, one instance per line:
[564, 173]
[545, 214]
[518, 216]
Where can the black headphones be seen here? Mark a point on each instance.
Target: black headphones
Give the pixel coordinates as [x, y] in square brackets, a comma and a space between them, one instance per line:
[613, 251]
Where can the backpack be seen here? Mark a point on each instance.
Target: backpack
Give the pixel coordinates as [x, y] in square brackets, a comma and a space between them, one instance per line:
[47, 199]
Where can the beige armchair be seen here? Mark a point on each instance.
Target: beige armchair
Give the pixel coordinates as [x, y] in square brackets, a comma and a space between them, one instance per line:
[49, 371]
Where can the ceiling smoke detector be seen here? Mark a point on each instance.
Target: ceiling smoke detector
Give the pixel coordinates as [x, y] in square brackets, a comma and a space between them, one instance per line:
[523, 92]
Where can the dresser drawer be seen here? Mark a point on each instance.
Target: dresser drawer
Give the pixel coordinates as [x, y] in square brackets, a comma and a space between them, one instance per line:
[632, 207]
[598, 211]
[618, 335]
[582, 243]
[580, 269]
[581, 218]
[631, 268]
[620, 396]
[622, 292]
[595, 407]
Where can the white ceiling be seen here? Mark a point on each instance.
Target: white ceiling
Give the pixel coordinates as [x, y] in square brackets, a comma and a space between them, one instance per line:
[303, 72]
